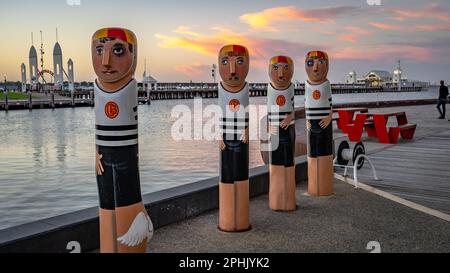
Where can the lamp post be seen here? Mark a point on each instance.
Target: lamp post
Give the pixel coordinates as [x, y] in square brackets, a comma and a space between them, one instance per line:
[5, 90]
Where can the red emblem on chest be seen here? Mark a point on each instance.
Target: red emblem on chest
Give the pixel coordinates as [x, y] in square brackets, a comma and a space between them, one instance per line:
[234, 105]
[317, 95]
[281, 100]
[111, 110]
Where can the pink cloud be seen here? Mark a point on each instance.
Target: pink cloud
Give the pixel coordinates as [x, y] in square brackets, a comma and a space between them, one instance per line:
[193, 70]
[384, 26]
[377, 52]
[436, 27]
[353, 34]
[433, 11]
[348, 38]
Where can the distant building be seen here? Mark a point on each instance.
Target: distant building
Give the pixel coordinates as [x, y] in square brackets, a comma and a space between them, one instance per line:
[33, 61]
[58, 66]
[149, 83]
[378, 78]
[351, 77]
[382, 78]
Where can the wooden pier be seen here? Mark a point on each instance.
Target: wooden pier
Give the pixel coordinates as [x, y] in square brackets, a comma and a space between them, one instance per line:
[418, 171]
[86, 97]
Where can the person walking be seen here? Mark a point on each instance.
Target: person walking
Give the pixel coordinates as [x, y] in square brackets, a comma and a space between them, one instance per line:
[443, 94]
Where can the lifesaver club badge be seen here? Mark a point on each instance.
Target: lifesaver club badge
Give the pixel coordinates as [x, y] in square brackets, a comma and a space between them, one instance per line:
[234, 105]
[317, 95]
[111, 110]
[281, 100]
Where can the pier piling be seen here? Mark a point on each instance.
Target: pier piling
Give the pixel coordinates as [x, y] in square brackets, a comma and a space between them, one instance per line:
[6, 102]
[52, 100]
[30, 101]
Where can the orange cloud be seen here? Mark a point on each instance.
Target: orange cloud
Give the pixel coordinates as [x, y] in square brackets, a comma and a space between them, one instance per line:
[186, 30]
[384, 26]
[264, 20]
[200, 43]
[433, 11]
[261, 49]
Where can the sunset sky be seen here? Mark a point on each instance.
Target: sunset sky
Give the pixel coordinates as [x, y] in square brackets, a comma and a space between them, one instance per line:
[180, 39]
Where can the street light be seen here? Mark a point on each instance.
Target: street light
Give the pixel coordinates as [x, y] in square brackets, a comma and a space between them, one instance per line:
[5, 90]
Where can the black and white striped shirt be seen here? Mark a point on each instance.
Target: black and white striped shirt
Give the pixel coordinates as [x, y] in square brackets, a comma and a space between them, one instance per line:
[235, 116]
[280, 104]
[116, 116]
[318, 100]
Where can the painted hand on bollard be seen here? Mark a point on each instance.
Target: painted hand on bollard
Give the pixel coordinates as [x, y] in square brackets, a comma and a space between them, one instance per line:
[324, 123]
[98, 164]
[308, 125]
[222, 146]
[286, 122]
[245, 137]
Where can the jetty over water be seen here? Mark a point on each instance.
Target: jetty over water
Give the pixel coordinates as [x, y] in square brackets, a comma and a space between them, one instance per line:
[84, 97]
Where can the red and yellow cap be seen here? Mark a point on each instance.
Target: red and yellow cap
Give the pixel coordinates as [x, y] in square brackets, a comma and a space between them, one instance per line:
[116, 33]
[281, 59]
[317, 55]
[240, 50]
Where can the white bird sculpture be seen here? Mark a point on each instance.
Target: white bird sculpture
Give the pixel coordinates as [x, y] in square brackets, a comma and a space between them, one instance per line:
[141, 229]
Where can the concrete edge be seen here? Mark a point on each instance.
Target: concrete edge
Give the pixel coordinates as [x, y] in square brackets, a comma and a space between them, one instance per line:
[165, 207]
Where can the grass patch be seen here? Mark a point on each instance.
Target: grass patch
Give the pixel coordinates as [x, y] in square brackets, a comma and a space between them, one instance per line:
[15, 96]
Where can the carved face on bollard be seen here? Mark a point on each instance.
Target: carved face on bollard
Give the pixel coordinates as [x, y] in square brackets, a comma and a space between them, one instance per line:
[317, 65]
[114, 56]
[234, 62]
[281, 71]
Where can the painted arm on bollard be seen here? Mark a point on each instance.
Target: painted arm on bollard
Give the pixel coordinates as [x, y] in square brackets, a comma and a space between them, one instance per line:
[287, 121]
[98, 163]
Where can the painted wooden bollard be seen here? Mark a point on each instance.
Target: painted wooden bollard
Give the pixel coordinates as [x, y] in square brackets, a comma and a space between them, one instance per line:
[281, 120]
[319, 116]
[125, 226]
[234, 200]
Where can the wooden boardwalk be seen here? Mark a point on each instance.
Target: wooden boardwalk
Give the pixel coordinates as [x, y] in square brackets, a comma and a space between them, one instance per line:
[418, 171]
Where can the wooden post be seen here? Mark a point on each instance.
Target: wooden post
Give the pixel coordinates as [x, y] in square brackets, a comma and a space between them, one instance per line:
[91, 95]
[6, 101]
[30, 101]
[52, 100]
[72, 99]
